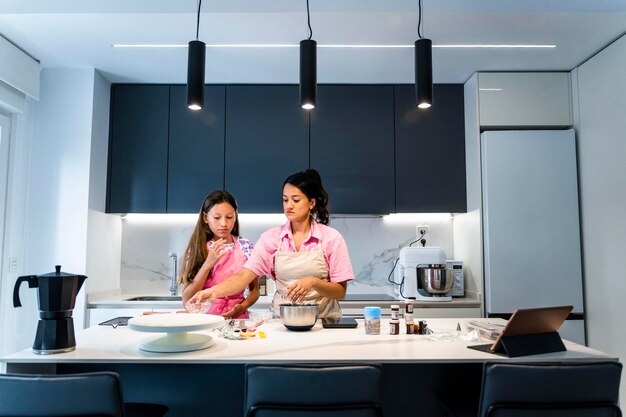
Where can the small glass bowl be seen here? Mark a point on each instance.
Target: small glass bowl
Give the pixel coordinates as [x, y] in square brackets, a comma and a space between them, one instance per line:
[260, 315]
[201, 307]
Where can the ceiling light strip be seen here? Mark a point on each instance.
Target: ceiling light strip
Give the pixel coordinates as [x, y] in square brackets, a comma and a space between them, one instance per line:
[500, 46]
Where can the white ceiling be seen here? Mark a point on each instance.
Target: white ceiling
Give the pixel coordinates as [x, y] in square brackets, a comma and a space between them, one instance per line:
[79, 34]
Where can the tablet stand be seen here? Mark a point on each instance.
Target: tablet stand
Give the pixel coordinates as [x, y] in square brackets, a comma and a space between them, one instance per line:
[532, 344]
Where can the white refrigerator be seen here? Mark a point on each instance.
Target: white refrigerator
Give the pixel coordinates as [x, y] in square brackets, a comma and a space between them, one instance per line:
[531, 230]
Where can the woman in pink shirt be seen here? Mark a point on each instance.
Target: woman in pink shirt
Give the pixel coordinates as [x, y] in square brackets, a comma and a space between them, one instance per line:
[308, 259]
[216, 251]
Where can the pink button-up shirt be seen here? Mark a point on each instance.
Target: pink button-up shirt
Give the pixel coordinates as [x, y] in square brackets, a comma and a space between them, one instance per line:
[280, 239]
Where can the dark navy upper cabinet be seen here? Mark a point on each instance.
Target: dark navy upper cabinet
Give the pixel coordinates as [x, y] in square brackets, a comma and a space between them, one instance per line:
[267, 139]
[430, 151]
[352, 147]
[196, 149]
[376, 152]
[137, 177]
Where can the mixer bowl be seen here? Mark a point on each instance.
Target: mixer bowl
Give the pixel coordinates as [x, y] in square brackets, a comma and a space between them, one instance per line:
[436, 281]
[299, 317]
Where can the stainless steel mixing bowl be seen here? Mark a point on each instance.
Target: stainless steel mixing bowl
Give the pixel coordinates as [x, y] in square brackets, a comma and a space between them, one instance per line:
[436, 281]
[299, 317]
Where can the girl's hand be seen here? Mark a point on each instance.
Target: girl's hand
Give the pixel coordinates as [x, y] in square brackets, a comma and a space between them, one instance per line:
[203, 295]
[298, 290]
[235, 311]
[216, 251]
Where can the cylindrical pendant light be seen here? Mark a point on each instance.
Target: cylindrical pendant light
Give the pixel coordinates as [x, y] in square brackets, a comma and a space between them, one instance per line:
[195, 75]
[423, 73]
[308, 73]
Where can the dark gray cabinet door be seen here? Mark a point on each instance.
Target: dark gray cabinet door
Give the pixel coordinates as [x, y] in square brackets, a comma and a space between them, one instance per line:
[267, 139]
[196, 149]
[137, 180]
[352, 147]
[430, 151]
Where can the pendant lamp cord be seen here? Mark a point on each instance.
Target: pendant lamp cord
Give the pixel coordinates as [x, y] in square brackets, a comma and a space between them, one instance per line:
[198, 19]
[419, 20]
[308, 18]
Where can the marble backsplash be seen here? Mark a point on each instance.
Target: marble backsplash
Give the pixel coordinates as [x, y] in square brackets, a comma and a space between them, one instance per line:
[373, 243]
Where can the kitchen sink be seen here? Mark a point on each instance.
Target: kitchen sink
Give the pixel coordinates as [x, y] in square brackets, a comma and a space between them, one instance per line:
[156, 298]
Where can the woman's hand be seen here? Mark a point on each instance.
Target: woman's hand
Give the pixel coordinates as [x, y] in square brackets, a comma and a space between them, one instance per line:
[203, 295]
[299, 289]
[233, 312]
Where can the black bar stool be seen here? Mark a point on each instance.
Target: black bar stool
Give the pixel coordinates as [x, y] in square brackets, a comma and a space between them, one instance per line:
[69, 395]
[297, 391]
[544, 390]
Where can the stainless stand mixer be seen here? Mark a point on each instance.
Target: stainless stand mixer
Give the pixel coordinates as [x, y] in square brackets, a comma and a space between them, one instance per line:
[421, 274]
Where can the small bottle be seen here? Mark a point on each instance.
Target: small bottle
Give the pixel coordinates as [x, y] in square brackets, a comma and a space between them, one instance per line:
[410, 325]
[408, 307]
[395, 312]
[394, 326]
[423, 327]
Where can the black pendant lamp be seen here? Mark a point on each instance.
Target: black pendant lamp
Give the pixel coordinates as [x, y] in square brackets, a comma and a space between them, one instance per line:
[423, 67]
[308, 68]
[195, 69]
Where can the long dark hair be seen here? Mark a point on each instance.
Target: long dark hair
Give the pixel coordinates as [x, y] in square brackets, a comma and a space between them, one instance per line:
[196, 252]
[310, 183]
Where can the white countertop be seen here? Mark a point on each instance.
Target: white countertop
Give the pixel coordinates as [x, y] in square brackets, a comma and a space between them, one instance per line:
[104, 344]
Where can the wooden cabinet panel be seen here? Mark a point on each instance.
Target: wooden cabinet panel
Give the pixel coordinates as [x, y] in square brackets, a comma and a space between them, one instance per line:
[196, 149]
[352, 147]
[137, 180]
[267, 139]
[430, 151]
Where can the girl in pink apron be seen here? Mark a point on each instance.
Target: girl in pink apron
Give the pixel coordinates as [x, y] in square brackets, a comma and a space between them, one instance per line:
[216, 251]
[308, 259]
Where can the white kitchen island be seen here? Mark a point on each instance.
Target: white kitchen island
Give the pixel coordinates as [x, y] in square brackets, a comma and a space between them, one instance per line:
[416, 368]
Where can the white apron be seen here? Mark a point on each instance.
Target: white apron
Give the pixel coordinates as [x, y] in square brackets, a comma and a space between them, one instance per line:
[289, 267]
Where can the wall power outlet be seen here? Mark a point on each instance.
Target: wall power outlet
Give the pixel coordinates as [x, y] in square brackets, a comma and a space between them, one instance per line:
[421, 231]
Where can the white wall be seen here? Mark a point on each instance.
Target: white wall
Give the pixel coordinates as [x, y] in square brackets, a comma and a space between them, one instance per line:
[49, 194]
[104, 236]
[59, 183]
[601, 127]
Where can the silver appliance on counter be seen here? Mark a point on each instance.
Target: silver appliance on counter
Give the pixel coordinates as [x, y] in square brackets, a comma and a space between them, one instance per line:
[422, 274]
[458, 288]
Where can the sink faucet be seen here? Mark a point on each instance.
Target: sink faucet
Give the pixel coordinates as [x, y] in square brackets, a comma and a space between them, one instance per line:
[173, 283]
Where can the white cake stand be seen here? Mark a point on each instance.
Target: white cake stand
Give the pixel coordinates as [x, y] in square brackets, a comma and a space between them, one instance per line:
[175, 326]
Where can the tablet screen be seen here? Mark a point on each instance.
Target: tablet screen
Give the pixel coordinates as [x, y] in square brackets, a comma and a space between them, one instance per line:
[532, 321]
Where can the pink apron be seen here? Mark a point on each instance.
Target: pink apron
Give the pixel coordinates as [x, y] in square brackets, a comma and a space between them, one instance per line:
[227, 265]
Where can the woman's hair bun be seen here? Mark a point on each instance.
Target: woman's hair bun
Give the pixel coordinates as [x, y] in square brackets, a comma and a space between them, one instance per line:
[309, 182]
[314, 175]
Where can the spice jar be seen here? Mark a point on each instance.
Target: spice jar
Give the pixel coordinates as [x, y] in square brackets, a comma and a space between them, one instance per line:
[395, 312]
[410, 325]
[394, 326]
[408, 307]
